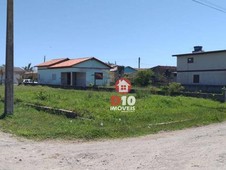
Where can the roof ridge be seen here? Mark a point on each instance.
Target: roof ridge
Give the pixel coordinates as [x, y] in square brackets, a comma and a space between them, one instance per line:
[198, 53]
[81, 58]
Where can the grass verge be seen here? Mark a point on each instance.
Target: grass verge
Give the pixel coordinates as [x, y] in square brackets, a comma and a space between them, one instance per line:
[151, 113]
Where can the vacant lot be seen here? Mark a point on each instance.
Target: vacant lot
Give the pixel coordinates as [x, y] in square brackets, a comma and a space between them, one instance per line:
[153, 114]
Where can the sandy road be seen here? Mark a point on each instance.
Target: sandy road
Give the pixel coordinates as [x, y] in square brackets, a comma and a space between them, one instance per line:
[196, 148]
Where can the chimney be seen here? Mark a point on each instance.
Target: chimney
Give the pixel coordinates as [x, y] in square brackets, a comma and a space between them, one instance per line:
[197, 49]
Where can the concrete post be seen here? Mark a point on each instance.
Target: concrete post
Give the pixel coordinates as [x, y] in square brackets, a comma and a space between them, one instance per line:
[9, 78]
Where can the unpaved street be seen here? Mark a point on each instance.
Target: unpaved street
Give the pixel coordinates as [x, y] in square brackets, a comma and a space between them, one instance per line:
[196, 148]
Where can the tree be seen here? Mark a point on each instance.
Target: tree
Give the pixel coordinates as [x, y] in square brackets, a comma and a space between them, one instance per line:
[143, 77]
[9, 80]
[28, 68]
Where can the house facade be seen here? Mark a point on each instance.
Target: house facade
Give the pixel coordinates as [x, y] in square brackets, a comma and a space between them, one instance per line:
[17, 76]
[116, 72]
[163, 74]
[80, 72]
[202, 68]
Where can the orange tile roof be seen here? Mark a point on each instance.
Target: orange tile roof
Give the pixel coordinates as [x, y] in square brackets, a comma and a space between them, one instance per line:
[71, 62]
[52, 62]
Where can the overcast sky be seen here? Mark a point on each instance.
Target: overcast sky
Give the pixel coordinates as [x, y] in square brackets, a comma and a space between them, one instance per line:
[112, 30]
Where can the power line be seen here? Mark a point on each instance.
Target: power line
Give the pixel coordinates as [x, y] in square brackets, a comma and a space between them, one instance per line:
[215, 5]
[210, 5]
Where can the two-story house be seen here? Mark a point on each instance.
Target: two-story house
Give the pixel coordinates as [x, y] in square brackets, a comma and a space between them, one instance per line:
[202, 67]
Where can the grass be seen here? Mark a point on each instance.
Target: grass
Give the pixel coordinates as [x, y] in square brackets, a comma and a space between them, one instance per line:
[100, 122]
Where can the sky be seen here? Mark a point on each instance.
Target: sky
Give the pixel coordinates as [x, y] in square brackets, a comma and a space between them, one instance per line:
[112, 30]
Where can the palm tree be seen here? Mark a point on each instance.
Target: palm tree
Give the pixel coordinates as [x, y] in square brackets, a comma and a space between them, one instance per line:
[9, 93]
[29, 71]
[28, 68]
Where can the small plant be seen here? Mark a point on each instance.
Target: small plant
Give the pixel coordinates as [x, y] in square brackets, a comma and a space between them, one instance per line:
[173, 88]
[89, 95]
[41, 95]
[153, 90]
[91, 84]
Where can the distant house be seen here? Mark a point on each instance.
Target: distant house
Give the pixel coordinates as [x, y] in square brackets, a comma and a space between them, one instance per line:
[129, 70]
[80, 72]
[202, 67]
[33, 75]
[116, 72]
[164, 74]
[18, 74]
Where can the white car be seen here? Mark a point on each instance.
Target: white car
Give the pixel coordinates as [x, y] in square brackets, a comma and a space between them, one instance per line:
[29, 81]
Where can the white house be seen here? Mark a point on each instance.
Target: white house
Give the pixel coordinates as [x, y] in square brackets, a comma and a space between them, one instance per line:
[79, 72]
[202, 67]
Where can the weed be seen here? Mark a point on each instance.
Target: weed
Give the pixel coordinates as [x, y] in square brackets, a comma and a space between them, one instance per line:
[41, 95]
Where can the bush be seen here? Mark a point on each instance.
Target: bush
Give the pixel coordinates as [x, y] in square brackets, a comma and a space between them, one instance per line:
[173, 88]
[42, 95]
[143, 78]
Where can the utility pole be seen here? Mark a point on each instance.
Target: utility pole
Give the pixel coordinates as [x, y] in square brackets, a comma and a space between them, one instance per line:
[9, 69]
[139, 63]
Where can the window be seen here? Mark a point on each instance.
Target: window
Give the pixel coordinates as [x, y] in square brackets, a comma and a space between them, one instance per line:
[190, 60]
[98, 76]
[53, 76]
[123, 87]
[195, 78]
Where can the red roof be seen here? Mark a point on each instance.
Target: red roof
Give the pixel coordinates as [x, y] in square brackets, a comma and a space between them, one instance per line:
[65, 62]
[52, 62]
[70, 63]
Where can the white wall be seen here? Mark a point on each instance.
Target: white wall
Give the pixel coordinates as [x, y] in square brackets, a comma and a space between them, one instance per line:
[16, 76]
[207, 66]
[45, 76]
[202, 61]
[205, 78]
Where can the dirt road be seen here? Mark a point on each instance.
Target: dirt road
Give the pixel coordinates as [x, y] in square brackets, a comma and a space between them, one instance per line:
[196, 148]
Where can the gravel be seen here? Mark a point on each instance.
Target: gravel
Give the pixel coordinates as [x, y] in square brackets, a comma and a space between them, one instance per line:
[195, 148]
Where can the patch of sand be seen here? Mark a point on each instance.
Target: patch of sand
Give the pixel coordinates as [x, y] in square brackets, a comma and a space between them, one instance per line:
[195, 148]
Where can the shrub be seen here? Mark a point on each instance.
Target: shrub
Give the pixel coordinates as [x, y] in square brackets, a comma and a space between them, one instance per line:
[42, 95]
[143, 78]
[173, 88]
[153, 90]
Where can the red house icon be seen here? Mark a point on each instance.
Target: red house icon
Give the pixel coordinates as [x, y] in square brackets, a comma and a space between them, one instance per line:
[123, 86]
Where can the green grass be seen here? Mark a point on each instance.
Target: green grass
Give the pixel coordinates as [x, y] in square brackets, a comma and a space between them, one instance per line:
[100, 122]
